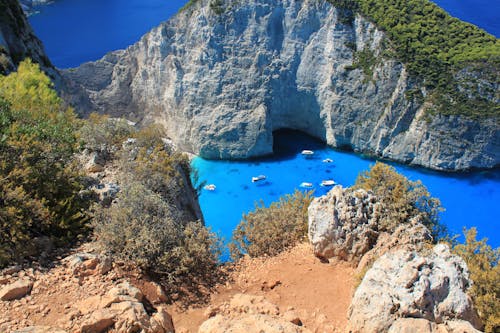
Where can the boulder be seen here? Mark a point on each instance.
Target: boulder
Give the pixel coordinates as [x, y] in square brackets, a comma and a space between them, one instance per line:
[249, 323]
[410, 236]
[343, 223]
[122, 307]
[16, 290]
[409, 284]
[98, 322]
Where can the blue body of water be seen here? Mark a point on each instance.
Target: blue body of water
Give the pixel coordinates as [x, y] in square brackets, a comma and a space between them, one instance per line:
[77, 31]
[483, 13]
[470, 200]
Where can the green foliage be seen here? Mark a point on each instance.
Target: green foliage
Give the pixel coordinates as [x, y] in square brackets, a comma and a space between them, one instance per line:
[435, 46]
[400, 198]
[39, 184]
[482, 262]
[102, 134]
[270, 230]
[140, 228]
[217, 6]
[364, 60]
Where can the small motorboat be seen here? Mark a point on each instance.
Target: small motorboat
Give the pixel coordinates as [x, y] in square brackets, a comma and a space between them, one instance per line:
[306, 185]
[258, 178]
[210, 187]
[327, 160]
[327, 183]
[306, 152]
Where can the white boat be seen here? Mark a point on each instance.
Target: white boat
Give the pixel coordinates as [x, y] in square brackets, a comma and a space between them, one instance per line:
[258, 178]
[210, 187]
[327, 183]
[306, 185]
[306, 152]
[327, 160]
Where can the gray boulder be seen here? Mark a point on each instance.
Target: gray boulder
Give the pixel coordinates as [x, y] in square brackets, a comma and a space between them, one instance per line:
[343, 223]
[408, 284]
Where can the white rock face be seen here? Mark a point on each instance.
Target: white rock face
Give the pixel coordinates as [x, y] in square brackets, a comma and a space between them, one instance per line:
[222, 83]
[343, 224]
[406, 284]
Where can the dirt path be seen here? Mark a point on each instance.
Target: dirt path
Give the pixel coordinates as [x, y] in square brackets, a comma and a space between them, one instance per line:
[320, 293]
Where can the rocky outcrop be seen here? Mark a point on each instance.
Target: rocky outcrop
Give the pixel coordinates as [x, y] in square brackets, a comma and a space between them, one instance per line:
[410, 285]
[250, 314]
[222, 76]
[30, 6]
[344, 223]
[18, 41]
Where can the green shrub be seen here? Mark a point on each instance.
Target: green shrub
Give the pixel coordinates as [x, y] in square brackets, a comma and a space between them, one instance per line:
[484, 270]
[400, 198]
[434, 46]
[102, 134]
[270, 230]
[39, 183]
[140, 228]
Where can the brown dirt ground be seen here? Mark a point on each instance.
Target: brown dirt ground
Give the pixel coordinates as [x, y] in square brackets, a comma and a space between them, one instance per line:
[320, 293]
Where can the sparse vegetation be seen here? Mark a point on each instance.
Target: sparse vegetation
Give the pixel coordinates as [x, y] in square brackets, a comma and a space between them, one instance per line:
[150, 224]
[401, 198]
[484, 270]
[104, 135]
[40, 186]
[141, 228]
[270, 230]
[435, 46]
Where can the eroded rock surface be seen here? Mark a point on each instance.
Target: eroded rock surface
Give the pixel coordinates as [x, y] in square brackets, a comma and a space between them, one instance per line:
[343, 223]
[406, 284]
[222, 80]
[250, 314]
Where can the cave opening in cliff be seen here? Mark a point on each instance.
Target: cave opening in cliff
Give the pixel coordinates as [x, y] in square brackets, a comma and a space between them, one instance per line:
[290, 142]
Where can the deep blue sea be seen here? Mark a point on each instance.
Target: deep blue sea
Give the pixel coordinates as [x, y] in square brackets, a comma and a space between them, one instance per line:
[469, 199]
[483, 13]
[76, 31]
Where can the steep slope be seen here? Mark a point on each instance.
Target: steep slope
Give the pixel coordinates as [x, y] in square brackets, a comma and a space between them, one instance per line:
[223, 76]
[17, 39]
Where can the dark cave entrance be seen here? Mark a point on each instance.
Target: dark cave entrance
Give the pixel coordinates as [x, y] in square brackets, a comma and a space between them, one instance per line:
[290, 142]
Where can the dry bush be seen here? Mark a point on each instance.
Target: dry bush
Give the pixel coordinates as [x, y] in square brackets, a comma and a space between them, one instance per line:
[102, 134]
[484, 270]
[140, 228]
[401, 199]
[270, 230]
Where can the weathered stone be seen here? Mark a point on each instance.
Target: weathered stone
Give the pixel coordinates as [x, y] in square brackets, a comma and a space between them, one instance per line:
[251, 304]
[40, 329]
[126, 289]
[161, 322]
[406, 284]
[249, 323]
[16, 290]
[343, 223]
[410, 236]
[222, 83]
[98, 322]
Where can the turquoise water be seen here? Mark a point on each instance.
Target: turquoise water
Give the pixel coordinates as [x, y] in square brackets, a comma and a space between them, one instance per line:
[77, 31]
[470, 200]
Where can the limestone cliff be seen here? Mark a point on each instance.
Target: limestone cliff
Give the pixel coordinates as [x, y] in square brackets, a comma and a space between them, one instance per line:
[18, 41]
[222, 76]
